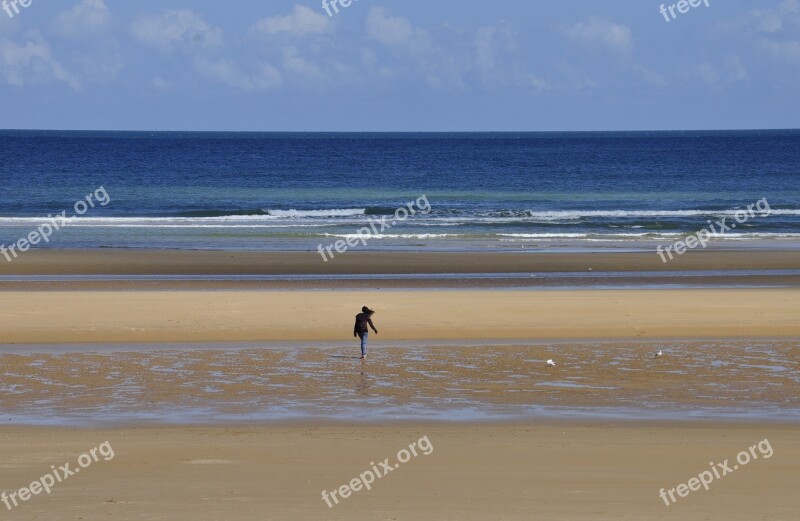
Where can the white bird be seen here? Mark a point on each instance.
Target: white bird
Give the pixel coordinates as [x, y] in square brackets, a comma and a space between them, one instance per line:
[660, 353]
[550, 363]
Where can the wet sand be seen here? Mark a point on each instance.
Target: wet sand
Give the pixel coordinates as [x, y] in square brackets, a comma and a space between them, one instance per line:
[149, 262]
[207, 384]
[576, 471]
[522, 281]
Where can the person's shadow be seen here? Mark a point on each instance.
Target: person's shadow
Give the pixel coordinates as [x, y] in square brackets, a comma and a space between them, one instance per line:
[345, 356]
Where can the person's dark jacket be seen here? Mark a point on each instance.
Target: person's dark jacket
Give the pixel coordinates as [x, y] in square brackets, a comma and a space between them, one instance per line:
[363, 323]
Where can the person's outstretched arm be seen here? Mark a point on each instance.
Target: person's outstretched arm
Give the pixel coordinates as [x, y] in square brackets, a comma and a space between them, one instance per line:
[372, 325]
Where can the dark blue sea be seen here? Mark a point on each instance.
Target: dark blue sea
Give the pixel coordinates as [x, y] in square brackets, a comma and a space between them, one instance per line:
[496, 191]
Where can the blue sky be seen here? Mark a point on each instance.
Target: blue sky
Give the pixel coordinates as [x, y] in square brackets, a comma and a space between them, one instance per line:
[411, 65]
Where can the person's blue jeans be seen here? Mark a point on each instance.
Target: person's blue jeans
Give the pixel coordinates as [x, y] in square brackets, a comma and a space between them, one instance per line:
[364, 336]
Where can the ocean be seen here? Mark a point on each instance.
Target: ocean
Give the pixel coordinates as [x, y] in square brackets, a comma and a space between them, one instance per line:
[486, 191]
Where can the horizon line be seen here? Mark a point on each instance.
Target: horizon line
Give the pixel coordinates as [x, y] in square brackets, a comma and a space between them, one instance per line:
[401, 131]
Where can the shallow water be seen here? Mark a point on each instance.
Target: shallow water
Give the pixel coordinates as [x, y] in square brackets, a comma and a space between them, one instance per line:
[209, 384]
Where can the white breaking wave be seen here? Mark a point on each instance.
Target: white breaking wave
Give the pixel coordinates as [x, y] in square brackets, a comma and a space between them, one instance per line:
[344, 212]
[356, 215]
[578, 214]
[651, 235]
[393, 235]
[576, 235]
[267, 221]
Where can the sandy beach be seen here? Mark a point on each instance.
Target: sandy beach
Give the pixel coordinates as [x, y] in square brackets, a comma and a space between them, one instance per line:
[222, 316]
[399, 261]
[106, 310]
[513, 439]
[509, 472]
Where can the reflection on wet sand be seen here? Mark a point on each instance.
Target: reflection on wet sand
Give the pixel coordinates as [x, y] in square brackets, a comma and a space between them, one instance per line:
[736, 379]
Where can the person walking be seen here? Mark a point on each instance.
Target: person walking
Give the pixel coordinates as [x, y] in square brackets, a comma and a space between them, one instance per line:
[361, 329]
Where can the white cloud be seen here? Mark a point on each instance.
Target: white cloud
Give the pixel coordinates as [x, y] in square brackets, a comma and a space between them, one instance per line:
[89, 47]
[495, 62]
[778, 23]
[100, 66]
[416, 51]
[537, 83]
[491, 47]
[728, 70]
[616, 42]
[766, 21]
[85, 17]
[772, 32]
[388, 30]
[490, 43]
[164, 85]
[707, 73]
[784, 50]
[575, 78]
[774, 20]
[778, 29]
[648, 75]
[301, 21]
[225, 72]
[297, 65]
[171, 30]
[735, 68]
[32, 62]
[450, 57]
[595, 31]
